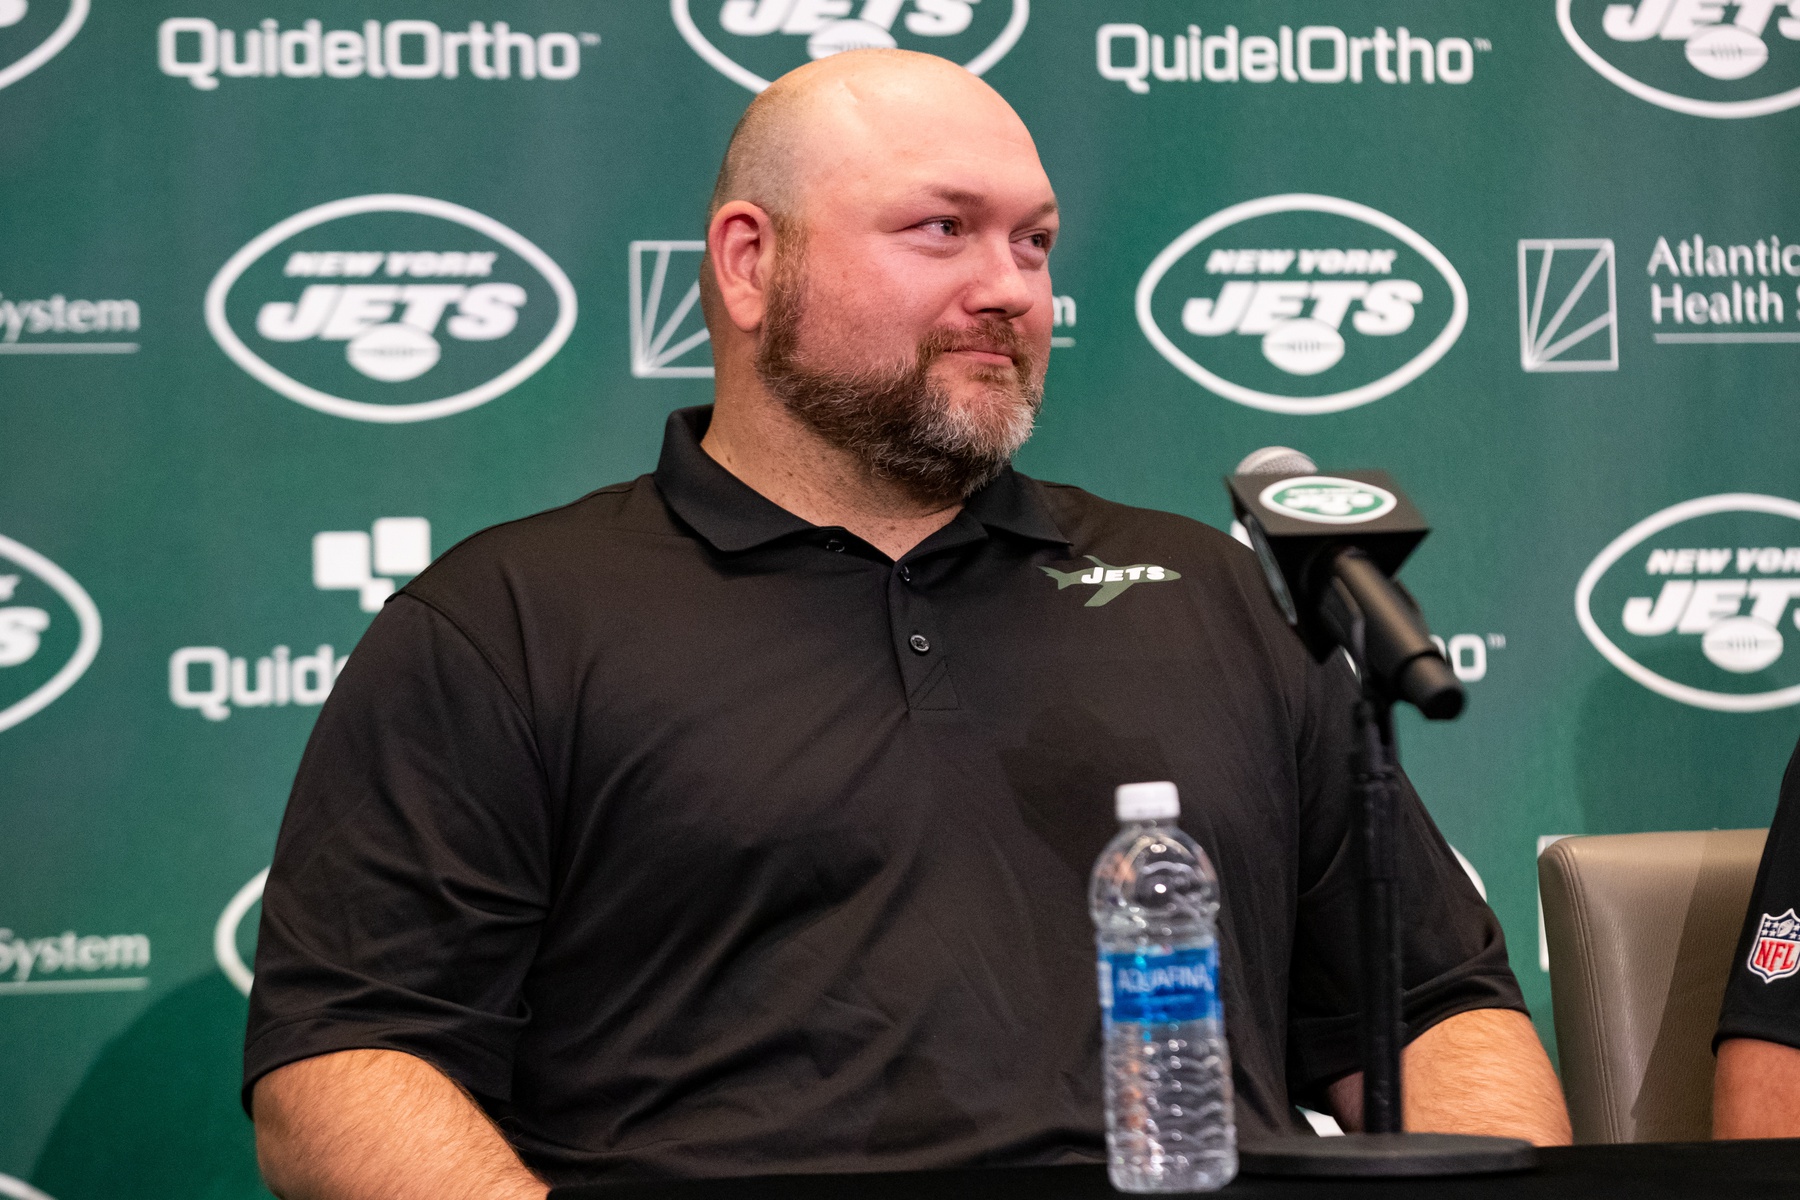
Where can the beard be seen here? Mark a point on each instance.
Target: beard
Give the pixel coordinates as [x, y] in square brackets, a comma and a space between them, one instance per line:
[896, 419]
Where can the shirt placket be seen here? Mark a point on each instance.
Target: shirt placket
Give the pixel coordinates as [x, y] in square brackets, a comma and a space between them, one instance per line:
[918, 640]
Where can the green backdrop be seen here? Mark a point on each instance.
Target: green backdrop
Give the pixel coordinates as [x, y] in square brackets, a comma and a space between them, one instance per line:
[295, 295]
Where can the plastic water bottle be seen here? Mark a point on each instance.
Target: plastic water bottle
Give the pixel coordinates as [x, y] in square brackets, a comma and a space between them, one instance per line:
[1154, 897]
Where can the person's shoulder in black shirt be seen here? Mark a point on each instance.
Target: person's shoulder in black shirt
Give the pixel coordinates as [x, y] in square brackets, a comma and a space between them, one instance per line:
[1756, 1091]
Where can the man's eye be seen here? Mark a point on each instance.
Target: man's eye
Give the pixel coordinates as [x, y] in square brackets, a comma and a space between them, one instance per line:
[943, 225]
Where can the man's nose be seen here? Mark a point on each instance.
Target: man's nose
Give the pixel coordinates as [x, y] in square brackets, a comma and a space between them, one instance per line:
[999, 288]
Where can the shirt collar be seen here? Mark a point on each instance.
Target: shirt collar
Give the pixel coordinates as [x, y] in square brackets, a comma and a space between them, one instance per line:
[732, 516]
[1015, 503]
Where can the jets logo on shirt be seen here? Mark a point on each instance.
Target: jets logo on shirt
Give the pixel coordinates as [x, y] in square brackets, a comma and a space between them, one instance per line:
[1776, 952]
[1112, 581]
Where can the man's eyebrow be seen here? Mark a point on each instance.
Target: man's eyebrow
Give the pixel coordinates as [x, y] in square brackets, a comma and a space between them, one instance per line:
[959, 196]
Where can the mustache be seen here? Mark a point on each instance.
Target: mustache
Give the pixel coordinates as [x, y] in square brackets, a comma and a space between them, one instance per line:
[991, 335]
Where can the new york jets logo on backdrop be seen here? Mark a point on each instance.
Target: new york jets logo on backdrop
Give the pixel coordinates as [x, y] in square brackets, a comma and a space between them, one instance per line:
[1301, 304]
[231, 933]
[33, 31]
[390, 308]
[755, 41]
[49, 632]
[1699, 602]
[1706, 58]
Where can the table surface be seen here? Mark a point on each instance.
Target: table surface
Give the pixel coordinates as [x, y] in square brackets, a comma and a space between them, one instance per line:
[1692, 1171]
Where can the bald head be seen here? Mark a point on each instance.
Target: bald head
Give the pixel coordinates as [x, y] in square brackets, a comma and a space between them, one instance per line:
[852, 124]
[817, 116]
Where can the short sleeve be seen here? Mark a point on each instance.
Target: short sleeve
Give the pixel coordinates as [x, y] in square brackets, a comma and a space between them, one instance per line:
[1762, 994]
[1453, 954]
[410, 878]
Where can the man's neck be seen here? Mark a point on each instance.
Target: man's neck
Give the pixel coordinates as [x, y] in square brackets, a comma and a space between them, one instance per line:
[775, 454]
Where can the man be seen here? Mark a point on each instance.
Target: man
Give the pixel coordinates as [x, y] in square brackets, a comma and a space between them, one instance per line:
[737, 820]
[1756, 1085]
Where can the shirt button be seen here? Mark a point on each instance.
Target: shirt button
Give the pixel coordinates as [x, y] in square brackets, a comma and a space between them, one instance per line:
[919, 643]
[905, 573]
[835, 545]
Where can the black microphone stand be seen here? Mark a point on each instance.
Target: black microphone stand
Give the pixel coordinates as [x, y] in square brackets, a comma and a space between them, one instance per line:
[1382, 1030]
[1376, 624]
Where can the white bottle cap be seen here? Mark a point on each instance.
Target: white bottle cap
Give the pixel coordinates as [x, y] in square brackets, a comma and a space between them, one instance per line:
[1147, 801]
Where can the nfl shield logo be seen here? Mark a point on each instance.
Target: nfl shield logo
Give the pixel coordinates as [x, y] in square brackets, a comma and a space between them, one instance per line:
[1776, 951]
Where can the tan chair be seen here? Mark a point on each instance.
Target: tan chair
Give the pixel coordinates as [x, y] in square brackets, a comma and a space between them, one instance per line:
[1642, 928]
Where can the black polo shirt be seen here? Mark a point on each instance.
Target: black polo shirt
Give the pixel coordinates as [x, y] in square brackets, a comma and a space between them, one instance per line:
[1762, 995]
[692, 838]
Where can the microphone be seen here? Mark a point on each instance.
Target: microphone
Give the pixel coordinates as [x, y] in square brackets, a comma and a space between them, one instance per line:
[1329, 546]
[1276, 460]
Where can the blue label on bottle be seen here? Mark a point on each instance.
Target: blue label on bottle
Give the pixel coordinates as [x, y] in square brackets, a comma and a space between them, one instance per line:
[1182, 985]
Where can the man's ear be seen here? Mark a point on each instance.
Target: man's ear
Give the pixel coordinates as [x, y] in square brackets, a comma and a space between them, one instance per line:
[740, 243]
